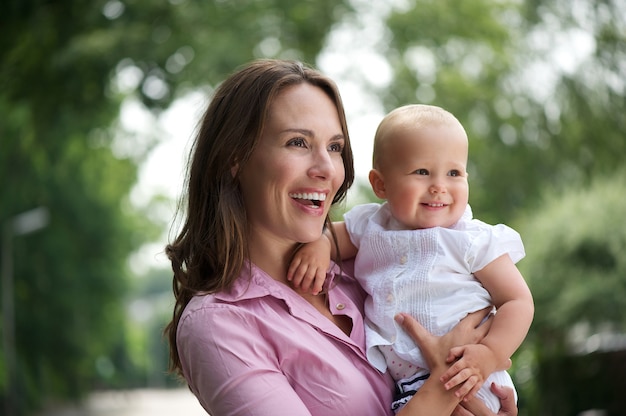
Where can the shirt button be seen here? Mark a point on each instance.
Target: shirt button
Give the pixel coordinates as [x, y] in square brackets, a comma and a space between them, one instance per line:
[340, 306]
[403, 259]
[390, 298]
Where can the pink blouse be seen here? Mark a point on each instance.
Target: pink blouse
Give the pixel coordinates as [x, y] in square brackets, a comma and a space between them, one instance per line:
[261, 349]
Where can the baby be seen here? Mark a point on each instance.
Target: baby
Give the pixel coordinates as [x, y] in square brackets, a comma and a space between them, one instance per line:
[421, 252]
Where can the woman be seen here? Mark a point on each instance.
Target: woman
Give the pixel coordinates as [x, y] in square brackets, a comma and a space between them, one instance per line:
[271, 157]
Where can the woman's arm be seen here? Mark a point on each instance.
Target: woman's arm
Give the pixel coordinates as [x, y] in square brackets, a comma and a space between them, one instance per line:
[432, 398]
[229, 366]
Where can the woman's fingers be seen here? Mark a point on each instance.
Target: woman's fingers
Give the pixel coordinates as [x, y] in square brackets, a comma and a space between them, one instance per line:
[507, 400]
[475, 407]
[424, 339]
[477, 323]
[412, 327]
[433, 348]
[461, 411]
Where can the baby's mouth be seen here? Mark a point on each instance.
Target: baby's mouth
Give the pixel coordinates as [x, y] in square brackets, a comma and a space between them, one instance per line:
[434, 204]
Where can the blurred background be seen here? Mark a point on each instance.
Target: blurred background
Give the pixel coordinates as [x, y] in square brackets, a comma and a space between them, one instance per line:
[99, 101]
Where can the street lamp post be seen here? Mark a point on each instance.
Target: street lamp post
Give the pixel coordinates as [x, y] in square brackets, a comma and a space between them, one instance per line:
[21, 224]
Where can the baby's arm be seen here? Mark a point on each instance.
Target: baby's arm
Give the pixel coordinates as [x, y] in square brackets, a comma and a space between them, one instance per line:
[514, 303]
[309, 265]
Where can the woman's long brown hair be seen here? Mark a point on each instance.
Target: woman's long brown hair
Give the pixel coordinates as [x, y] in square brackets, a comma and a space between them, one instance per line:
[210, 250]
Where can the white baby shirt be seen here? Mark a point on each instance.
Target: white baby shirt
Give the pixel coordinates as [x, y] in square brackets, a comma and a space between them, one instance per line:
[426, 273]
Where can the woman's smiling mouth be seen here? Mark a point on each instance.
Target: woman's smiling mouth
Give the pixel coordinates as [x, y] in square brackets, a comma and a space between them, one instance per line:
[313, 198]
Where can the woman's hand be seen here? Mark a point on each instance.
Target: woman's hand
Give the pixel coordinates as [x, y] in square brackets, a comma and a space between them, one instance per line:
[432, 398]
[435, 349]
[475, 407]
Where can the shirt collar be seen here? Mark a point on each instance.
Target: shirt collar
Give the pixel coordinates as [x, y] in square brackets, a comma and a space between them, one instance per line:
[253, 282]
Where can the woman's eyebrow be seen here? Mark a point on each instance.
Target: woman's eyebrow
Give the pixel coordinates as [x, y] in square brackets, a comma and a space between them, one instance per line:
[309, 133]
[305, 132]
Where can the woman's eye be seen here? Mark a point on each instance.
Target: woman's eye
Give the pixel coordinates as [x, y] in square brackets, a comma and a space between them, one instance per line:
[336, 147]
[421, 172]
[299, 142]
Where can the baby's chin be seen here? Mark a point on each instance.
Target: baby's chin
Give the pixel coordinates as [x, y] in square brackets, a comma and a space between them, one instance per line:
[432, 224]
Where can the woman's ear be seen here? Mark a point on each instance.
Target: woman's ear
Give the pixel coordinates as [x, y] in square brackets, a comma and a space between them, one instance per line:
[234, 169]
[378, 184]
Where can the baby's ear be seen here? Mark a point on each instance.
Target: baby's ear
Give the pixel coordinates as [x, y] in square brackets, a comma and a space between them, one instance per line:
[378, 183]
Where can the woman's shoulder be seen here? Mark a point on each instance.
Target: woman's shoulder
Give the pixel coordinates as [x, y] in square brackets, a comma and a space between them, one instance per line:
[231, 300]
[204, 308]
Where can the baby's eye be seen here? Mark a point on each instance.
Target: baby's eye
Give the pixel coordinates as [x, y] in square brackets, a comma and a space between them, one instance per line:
[421, 172]
[298, 142]
[454, 172]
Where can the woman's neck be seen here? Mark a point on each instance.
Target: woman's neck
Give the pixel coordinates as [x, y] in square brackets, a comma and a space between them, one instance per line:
[272, 257]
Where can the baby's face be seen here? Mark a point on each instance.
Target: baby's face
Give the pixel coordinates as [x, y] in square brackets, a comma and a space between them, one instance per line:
[424, 176]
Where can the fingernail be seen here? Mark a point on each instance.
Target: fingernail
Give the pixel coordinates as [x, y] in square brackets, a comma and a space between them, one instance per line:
[399, 318]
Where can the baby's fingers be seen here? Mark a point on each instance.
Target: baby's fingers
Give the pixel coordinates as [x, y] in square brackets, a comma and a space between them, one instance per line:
[474, 391]
[297, 274]
[466, 388]
[318, 283]
[455, 368]
[294, 271]
[462, 376]
[454, 354]
[309, 279]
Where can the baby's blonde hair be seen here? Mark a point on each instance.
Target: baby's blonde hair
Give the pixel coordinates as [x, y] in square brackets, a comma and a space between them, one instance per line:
[408, 117]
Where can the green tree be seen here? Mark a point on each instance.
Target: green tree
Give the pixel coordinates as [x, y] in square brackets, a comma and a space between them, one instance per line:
[575, 267]
[60, 69]
[502, 69]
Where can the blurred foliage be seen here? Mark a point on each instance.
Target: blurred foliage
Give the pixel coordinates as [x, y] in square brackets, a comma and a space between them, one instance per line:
[576, 241]
[65, 69]
[576, 268]
[508, 70]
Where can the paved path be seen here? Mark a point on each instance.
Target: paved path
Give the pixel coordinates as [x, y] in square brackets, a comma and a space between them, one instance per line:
[152, 402]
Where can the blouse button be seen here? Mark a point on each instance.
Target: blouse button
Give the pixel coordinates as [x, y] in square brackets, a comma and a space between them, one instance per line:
[403, 260]
[340, 306]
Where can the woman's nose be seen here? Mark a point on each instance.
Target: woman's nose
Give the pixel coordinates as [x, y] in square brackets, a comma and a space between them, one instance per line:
[322, 166]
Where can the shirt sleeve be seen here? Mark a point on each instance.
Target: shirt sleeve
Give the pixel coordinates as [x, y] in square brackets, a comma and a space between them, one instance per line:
[357, 220]
[493, 242]
[240, 376]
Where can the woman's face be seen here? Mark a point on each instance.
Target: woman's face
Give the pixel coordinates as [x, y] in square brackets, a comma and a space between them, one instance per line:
[294, 172]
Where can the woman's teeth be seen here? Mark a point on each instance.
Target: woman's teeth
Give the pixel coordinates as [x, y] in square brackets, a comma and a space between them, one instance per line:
[315, 197]
[312, 196]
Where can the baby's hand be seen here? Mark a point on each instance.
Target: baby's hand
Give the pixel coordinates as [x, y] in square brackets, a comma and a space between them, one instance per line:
[474, 363]
[309, 265]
